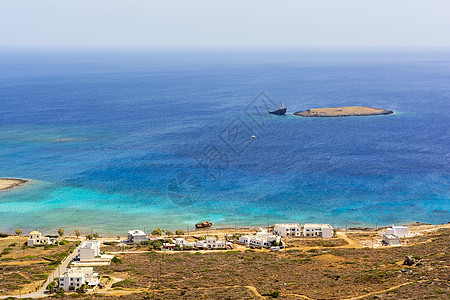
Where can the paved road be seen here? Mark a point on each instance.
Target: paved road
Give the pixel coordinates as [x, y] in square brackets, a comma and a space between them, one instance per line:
[59, 271]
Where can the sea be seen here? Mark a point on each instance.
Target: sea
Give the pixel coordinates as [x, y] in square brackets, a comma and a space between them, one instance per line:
[119, 139]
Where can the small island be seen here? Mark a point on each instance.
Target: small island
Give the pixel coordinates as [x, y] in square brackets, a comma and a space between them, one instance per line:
[346, 111]
[9, 183]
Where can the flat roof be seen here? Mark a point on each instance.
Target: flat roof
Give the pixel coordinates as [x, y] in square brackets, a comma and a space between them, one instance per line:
[317, 225]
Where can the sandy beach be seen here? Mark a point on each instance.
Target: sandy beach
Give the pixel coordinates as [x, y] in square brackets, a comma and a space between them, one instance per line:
[9, 183]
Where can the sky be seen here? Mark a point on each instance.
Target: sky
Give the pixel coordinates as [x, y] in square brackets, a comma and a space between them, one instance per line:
[224, 23]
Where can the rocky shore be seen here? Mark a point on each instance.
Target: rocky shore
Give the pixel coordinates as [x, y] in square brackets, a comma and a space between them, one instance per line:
[346, 111]
[9, 183]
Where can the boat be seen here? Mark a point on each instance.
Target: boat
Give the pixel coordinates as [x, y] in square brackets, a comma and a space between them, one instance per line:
[205, 224]
[281, 111]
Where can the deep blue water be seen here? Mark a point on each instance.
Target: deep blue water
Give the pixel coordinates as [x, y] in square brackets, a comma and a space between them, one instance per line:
[121, 140]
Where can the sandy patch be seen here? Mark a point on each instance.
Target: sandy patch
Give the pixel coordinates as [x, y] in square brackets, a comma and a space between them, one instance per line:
[9, 183]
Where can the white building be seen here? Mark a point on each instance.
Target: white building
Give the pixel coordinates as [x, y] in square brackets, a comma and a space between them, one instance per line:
[211, 243]
[77, 276]
[261, 239]
[183, 243]
[287, 230]
[35, 238]
[322, 230]
[391, 240]
[89, 255]
[136, 236]
[89, 250]
[400, 231]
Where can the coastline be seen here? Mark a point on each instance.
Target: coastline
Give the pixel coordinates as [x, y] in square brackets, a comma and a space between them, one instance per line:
[345, 111]
[10, 183]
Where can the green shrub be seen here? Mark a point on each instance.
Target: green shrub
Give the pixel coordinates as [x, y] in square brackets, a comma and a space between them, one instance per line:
[116, 260]
[274, 294]
[125, 283]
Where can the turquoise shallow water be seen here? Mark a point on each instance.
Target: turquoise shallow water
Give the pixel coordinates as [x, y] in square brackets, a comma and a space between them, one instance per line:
[115, 141]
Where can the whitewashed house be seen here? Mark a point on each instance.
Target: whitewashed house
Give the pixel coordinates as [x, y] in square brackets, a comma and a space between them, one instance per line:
[245, 239]
[201, 244]
[261, 239]
[321, 230]
[89, 255]
[284, 230]
[400, 231]
[77, 276]
[183, 243]
[36, 238]
[211, 243]
[89, 250]
[136, 236]
[391, 240]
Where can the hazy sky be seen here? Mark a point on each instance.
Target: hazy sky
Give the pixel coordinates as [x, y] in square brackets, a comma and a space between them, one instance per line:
[213, 23]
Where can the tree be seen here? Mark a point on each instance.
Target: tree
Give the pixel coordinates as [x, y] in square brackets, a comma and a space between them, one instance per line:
[19, 231]
[89, 236]
[180, 232]
[77, 232]
[169, 232]
[157, 231]
[96, 235]
[60, 231]
[118, 237]
[51, 286]
[157, 244]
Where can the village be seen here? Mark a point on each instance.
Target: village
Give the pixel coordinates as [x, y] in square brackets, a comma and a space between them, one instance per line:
[80, 272]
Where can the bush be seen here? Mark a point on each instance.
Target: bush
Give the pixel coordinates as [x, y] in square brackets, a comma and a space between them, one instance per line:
[64, 242]
[110, 243]
[274, 294]
[116, 260]
[71, 288]
[179, 232]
